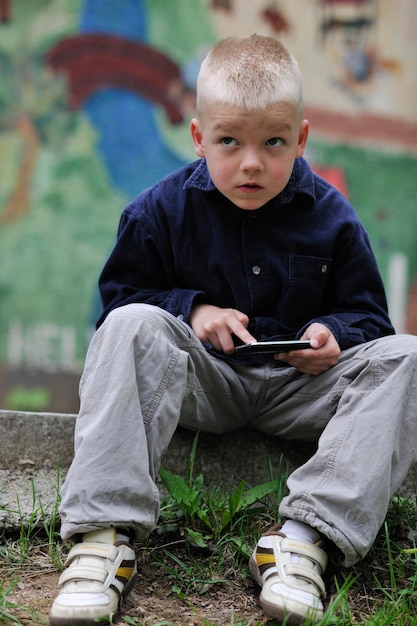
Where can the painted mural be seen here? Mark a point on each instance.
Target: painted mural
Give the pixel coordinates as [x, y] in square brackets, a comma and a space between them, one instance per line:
[95, 102]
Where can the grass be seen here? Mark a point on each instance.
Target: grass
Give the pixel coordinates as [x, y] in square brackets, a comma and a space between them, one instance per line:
[201, 547]
[381, 590]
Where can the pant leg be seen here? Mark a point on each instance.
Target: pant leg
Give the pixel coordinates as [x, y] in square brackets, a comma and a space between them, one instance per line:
[145, 370]
[366, 411]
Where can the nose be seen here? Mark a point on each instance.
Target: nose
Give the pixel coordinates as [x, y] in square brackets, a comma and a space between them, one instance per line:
[251, 161]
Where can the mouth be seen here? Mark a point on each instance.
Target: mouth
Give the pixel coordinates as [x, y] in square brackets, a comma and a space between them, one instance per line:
[250, 187]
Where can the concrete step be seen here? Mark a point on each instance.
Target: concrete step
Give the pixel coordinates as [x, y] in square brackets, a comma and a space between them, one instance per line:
[37, 449]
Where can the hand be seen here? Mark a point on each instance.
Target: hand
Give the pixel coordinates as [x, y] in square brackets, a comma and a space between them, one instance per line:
[323, 354]
[215, 326]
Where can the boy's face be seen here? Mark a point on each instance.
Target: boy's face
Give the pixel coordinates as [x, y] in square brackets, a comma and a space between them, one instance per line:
[250, 155]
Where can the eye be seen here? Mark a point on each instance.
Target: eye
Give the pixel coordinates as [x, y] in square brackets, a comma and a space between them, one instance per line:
[274, 141]
[228, 141]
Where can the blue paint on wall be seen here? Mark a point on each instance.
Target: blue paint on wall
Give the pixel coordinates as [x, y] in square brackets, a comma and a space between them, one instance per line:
[124, 18]
[135, 153]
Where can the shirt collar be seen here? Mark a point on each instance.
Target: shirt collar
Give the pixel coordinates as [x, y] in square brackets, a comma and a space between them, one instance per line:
[200, 178]
[301, 181]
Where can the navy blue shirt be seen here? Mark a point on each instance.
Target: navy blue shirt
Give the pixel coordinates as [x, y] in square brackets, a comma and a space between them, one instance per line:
[303, 257]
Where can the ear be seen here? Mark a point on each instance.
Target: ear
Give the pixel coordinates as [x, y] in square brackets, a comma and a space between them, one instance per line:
[302, 137]
[197, 135]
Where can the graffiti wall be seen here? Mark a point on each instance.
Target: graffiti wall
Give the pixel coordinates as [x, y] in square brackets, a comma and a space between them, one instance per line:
[95, 102]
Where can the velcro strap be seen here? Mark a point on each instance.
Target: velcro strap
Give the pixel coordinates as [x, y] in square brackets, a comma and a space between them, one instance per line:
[80, 572]
[307, 574]
[303, 548]
[103, 550]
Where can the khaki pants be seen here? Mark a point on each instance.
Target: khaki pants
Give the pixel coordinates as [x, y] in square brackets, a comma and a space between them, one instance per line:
[146, 372]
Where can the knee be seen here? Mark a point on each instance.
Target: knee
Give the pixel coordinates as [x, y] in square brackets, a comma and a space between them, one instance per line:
[146, 318]
[130, 319]
[404, 346]
[408, 344]
[139, 312]
[136, 310]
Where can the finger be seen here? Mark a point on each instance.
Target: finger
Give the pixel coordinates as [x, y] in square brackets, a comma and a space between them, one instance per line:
[239, 329]
[225, 341]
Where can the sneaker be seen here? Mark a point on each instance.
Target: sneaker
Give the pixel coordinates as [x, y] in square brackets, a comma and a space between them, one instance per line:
[289, 571]
[99, 572]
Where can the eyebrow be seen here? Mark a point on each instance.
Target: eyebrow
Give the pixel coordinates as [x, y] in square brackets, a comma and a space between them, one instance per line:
[231, 127]
[223, 126]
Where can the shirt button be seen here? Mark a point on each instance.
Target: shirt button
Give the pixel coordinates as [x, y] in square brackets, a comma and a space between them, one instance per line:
[324, 269]
[256, 270]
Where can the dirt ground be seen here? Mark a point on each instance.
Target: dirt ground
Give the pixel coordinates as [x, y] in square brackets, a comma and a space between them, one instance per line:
[181, 586]
[233, 600]
[152, 600]
[177, 584]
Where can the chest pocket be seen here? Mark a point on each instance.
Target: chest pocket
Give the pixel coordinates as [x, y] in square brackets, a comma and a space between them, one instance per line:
[307, 280]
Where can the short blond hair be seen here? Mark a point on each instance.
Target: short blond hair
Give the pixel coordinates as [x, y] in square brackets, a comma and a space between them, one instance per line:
[249, 72]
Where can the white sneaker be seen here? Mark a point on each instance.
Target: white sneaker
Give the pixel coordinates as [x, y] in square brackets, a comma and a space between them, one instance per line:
[289, 571]
[99, 572]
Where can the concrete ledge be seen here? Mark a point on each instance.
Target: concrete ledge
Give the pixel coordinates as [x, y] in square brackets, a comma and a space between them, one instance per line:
[45, 441]
[38, 440]
[37, 449]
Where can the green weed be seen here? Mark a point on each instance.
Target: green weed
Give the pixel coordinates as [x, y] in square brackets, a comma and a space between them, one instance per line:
[41, 517]
[208, 513]
[7, 606]
[201, 546]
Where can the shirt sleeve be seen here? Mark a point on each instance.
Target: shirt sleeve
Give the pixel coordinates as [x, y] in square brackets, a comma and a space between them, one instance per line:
[140, 269]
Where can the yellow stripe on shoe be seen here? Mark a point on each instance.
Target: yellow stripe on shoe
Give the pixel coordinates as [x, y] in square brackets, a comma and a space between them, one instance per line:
[125, 572]
[265, 559]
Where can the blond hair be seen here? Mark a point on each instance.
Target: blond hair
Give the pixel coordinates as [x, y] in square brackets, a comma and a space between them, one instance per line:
[251, 73]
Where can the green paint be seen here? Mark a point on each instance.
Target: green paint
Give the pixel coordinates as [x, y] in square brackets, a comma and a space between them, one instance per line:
[383, 190]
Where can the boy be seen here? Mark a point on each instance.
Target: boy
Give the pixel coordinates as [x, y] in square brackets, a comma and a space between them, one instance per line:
[244, 244]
